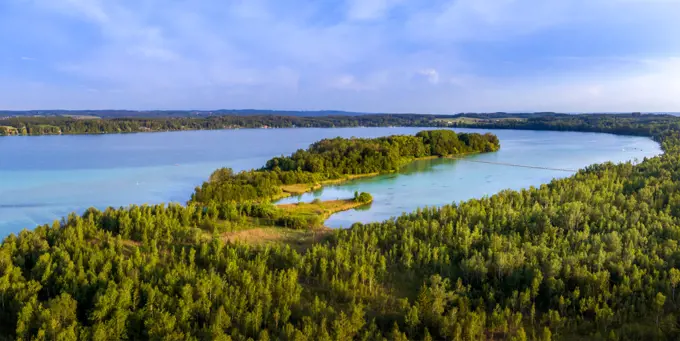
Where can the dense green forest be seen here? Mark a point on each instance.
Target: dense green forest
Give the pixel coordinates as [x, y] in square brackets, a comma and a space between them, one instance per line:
[331, 159]
[591, 257]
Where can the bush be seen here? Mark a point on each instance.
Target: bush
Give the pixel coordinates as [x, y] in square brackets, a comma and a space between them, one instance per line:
[362, 197]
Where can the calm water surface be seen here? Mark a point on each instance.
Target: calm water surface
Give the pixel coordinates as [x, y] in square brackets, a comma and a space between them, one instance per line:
[44, 178]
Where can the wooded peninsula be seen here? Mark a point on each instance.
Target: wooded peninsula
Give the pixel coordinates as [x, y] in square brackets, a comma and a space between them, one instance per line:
[594, 256]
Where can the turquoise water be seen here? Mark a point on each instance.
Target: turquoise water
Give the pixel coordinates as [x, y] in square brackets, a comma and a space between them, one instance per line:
[44, 178]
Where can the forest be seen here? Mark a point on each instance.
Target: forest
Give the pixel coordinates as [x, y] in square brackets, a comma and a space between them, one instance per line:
[590, 257]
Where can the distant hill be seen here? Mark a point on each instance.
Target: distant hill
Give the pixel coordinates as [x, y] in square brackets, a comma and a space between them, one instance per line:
[177, 113]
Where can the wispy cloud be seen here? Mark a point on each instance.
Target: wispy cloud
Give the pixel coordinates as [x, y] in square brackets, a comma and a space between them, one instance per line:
[368, 55]
[431, 74]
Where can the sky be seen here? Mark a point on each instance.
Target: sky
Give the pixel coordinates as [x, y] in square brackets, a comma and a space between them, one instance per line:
[422, 56]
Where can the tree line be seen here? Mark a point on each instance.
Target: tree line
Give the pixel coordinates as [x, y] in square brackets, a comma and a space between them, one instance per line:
[635, 123]
[55, 125]
[655, 126]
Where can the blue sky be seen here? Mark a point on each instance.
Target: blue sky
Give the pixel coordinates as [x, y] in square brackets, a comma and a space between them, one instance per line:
[438, 56]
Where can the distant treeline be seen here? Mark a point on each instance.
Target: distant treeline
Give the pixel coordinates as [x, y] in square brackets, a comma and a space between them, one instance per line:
[627, 124]
[334, 158]
[635, 124]
[173, 113]
[69, 125]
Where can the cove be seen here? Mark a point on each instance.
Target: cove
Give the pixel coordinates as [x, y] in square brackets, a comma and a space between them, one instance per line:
[45, 178]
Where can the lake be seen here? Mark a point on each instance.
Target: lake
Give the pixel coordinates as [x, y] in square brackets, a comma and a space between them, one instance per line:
[43, 178]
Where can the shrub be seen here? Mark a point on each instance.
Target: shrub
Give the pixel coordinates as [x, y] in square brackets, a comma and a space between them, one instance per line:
[362, 197]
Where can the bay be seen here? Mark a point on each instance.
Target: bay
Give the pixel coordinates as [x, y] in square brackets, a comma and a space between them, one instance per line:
[44, 178]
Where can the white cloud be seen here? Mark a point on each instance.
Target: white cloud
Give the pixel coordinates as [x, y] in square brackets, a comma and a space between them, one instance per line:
[431, 74]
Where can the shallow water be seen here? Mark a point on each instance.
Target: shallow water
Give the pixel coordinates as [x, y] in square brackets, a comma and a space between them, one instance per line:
[44, 178]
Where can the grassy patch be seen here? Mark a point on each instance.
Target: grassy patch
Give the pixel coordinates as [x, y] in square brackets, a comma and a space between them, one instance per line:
[300, 240]
[322, 208]
[298, 225]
